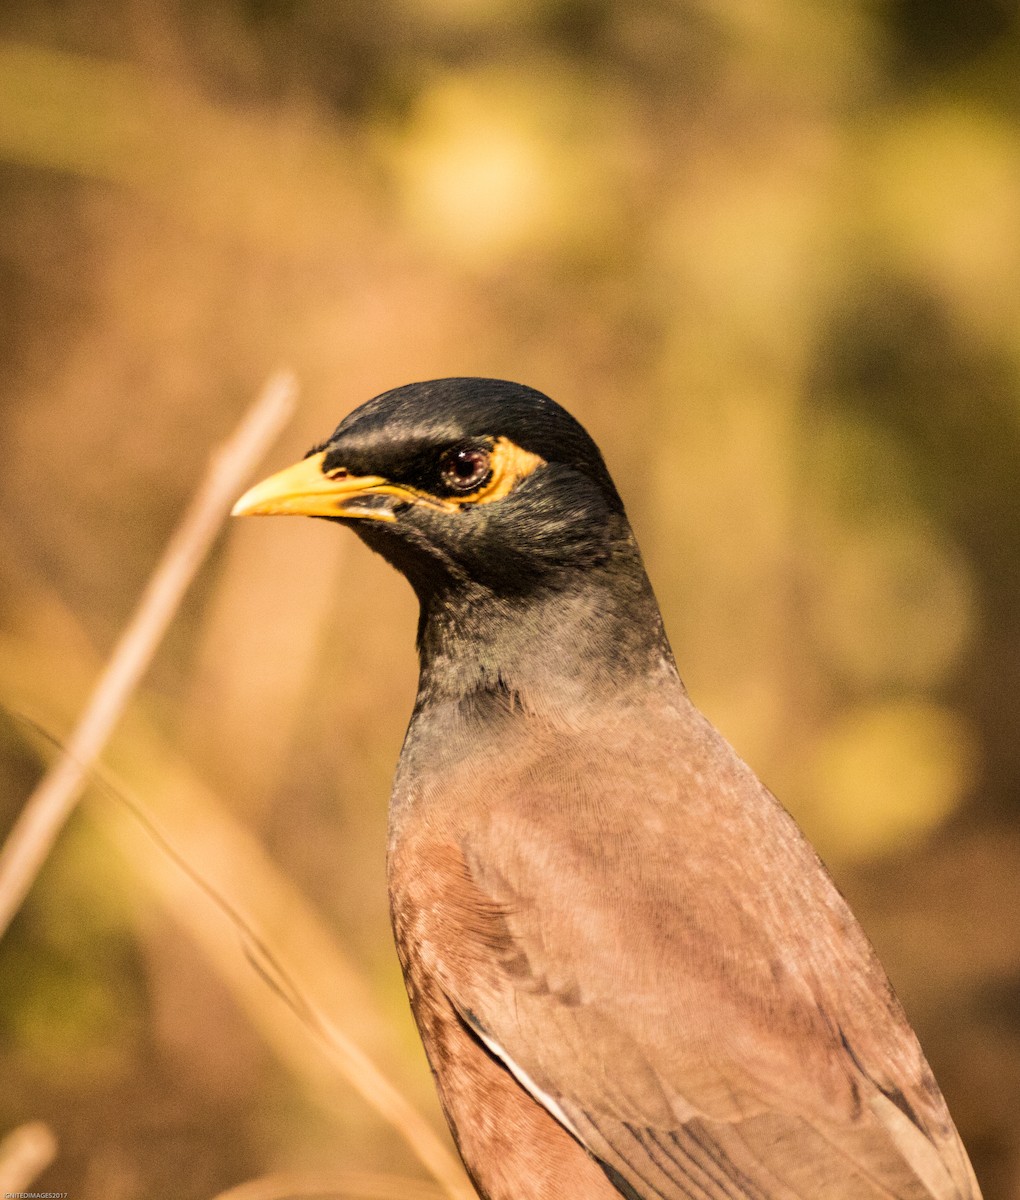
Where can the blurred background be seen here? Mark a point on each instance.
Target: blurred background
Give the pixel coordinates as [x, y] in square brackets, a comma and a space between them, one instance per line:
[768, 252]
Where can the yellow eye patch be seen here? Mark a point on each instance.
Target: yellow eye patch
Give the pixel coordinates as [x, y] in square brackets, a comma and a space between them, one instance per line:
[508, 464]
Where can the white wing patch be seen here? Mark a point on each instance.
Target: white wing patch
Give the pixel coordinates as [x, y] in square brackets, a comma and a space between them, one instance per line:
[525, 1080]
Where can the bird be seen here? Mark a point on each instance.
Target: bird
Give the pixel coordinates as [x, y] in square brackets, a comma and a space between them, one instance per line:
[632, 974]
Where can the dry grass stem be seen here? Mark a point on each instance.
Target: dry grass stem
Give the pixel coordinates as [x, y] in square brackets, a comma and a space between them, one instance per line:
[52, 802]
[346, 1185]
[335, 1046]
[393, 1106]
[24, 1153]
[318, 984]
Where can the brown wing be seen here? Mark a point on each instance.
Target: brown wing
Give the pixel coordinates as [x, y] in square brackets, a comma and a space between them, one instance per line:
[658, 957]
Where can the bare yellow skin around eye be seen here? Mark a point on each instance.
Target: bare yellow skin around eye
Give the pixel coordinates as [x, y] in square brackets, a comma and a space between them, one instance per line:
[508, 464]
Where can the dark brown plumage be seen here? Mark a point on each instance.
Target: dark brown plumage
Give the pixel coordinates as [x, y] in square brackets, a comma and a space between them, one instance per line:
[631, 973]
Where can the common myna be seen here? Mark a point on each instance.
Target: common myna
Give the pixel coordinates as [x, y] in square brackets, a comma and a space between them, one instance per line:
[632, 974]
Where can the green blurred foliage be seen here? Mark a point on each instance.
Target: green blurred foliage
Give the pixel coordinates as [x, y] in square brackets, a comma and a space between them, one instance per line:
[768, 253]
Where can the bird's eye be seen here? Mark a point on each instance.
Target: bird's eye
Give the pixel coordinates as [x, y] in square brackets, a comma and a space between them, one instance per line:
[465, 470]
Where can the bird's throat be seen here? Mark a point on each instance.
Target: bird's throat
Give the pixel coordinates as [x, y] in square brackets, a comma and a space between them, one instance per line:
[550, 647]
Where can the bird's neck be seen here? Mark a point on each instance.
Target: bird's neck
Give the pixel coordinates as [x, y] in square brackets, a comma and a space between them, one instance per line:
[553, 646]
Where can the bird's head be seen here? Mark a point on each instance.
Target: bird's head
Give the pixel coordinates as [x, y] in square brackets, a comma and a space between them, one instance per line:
[461, 483]
[498, 508]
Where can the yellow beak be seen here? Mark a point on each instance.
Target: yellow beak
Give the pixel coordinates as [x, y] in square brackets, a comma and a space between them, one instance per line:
[305, 490]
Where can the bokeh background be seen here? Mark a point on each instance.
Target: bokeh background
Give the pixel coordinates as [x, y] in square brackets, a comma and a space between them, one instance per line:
[767, 250]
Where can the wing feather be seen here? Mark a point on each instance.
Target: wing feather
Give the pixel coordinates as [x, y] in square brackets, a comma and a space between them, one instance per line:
[661, 961]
